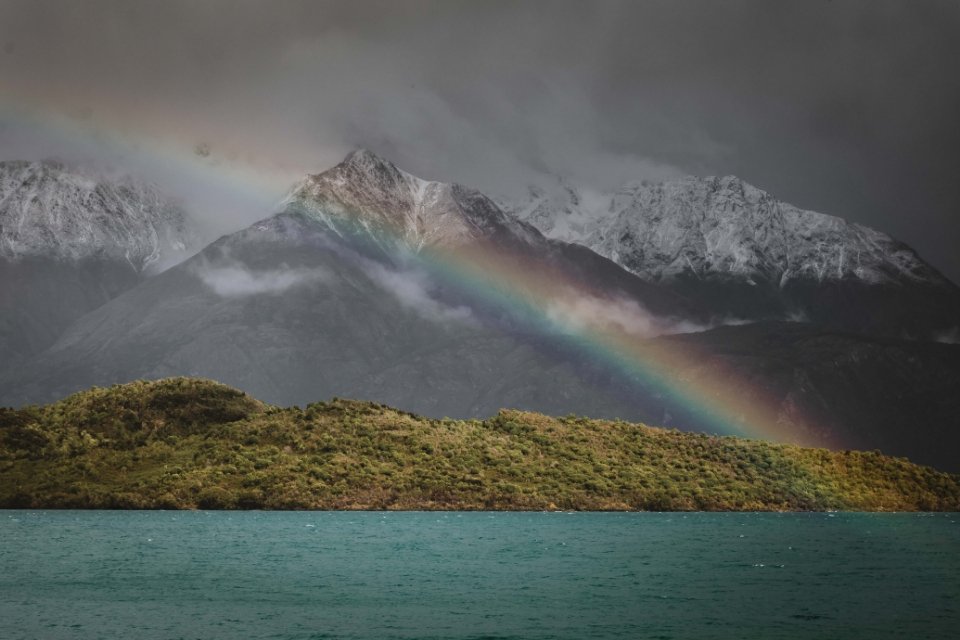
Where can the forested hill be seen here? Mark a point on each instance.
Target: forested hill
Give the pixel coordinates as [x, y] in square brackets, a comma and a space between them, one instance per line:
[184, 443]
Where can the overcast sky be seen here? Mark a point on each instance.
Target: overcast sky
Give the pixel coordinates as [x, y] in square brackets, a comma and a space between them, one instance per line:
[850, 108]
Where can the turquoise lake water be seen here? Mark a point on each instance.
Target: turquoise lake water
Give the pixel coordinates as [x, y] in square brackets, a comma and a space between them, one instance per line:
[300, 575]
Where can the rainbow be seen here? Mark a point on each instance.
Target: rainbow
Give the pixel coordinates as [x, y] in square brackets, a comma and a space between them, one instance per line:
[717, 397]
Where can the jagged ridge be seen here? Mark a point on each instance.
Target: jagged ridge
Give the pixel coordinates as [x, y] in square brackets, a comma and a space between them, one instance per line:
[709, 225]
[715, 239]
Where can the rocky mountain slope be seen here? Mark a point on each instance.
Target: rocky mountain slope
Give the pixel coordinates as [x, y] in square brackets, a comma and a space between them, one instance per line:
[69, 242]
[750, 256]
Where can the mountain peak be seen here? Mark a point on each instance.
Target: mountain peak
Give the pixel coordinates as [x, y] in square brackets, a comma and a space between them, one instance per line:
[364, 157]
[365, 162]
[370, 195]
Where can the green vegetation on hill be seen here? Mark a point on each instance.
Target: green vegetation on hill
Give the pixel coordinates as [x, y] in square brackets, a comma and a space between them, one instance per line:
[184, 443]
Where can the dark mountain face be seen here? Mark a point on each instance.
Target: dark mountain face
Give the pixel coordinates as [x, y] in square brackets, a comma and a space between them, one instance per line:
[901, 397]
[917, 310]
[41, 297]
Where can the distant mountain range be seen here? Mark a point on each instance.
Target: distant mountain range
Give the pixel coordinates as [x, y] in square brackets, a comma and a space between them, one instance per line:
[371, 283]
[749, 256]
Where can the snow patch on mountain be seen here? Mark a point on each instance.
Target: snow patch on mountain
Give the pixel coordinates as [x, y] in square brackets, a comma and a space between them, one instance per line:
[50, 211]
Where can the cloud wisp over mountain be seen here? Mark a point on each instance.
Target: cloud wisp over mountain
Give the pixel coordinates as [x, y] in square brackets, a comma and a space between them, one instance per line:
[236, 281]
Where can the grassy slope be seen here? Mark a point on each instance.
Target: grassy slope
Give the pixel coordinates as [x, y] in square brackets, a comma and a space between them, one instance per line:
[186, 443]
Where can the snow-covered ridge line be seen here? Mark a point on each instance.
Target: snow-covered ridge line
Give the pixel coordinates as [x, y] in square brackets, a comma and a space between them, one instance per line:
[702, 227]
[52, 211]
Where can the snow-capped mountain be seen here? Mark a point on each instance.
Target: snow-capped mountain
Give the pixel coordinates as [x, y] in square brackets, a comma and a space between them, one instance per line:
[701, 226]
[70, 240]
[50, 211]
[366, 192]
[751, 255]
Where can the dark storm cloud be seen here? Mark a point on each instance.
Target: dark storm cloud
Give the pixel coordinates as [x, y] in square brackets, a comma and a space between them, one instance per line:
[845, 107]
